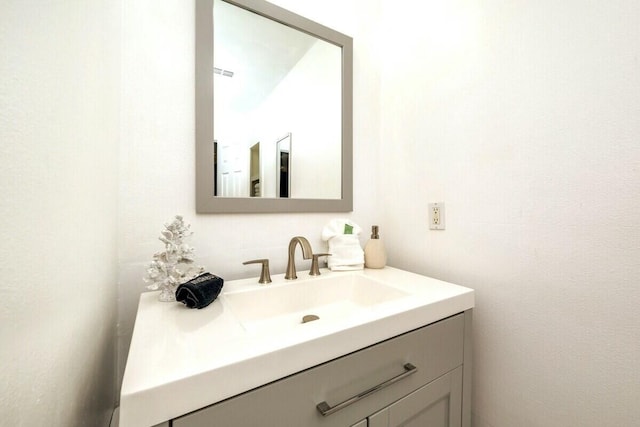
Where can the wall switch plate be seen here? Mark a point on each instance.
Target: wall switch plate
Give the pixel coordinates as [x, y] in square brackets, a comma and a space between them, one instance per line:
[436, 216]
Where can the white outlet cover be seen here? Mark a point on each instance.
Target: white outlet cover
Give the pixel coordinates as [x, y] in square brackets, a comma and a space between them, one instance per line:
[436, 216]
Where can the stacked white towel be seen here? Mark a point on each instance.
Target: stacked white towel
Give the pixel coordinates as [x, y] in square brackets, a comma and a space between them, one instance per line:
[346, 252]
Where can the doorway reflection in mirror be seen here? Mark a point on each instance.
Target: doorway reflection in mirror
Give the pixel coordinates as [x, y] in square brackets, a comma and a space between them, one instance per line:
[283, 178]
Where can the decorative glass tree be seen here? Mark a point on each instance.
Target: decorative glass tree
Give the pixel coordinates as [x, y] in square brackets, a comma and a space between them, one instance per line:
[174, 266]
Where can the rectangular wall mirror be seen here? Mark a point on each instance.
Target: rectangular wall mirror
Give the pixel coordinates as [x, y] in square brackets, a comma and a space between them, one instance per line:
[274, 111]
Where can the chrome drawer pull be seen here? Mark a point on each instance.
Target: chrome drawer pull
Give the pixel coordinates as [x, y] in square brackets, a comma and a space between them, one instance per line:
[325, 409]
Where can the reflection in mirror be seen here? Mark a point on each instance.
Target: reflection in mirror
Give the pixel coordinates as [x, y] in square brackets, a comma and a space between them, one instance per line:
[271, 73]
[283, 175]
[269, 77]
[254, 170]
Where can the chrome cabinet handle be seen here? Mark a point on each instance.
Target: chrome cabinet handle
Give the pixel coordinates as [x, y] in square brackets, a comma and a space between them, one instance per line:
[325, 409]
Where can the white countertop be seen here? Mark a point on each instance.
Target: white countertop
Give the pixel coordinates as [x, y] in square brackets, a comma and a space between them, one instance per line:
[181, 360]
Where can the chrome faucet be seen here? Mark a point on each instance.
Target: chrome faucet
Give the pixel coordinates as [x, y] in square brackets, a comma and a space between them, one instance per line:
[307, 252]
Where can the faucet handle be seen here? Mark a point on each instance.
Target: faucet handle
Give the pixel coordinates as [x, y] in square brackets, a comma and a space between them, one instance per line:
[315, 268]
[265, 277]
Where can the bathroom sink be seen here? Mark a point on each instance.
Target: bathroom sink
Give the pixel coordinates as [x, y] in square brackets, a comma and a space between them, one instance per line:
[317, 299]
[252, 334]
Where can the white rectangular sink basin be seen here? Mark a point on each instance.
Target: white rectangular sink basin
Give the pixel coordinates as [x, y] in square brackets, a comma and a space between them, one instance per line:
[284, 305]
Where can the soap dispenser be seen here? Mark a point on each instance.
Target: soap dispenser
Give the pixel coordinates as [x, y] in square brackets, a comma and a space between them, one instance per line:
[374, 254]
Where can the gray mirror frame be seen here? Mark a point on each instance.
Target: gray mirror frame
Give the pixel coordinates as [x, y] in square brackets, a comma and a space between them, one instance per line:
[205, 201]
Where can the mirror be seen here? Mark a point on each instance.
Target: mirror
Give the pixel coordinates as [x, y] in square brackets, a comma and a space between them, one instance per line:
[273, 111]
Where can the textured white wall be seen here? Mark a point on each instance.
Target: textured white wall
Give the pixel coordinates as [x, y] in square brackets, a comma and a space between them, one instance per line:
[59, 96]
[524, 118]
[157, 150]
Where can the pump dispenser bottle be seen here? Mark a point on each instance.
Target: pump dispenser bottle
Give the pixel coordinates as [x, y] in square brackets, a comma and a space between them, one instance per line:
[374, 254]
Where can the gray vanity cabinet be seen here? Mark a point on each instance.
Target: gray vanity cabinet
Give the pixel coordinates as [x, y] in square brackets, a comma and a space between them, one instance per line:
[437, 404]
[421, 372]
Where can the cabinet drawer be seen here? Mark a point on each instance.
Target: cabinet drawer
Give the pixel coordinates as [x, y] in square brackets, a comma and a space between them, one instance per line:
[434, 350]
[438, 404]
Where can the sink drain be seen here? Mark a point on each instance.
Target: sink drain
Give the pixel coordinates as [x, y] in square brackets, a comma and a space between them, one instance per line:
[309, 318]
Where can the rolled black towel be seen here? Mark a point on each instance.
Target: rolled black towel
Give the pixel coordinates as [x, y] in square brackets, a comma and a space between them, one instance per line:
[200, 291]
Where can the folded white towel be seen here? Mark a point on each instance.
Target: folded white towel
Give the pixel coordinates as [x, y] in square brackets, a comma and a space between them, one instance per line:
[335, 227]
[346, 252]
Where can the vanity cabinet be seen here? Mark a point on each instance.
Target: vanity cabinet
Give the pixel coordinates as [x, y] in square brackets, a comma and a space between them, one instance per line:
[419, 378]
[437, 404]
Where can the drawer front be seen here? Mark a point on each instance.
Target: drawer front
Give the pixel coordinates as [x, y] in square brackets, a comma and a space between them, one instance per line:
[434, 350]
[438, 404]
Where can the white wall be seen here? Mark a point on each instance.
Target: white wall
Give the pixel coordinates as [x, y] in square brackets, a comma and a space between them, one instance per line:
[59, 95]
[523, 118]
[157, 163]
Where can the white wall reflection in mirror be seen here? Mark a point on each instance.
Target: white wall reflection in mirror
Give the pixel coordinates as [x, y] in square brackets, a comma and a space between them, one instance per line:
[271, 81]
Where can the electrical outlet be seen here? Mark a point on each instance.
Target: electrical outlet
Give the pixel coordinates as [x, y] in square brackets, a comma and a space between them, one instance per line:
[436, 216]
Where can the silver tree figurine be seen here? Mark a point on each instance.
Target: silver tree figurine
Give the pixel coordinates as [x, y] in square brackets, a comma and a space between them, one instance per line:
[174, 266]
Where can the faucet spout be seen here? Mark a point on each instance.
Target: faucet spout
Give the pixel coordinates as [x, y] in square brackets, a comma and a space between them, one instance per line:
[307, 253]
